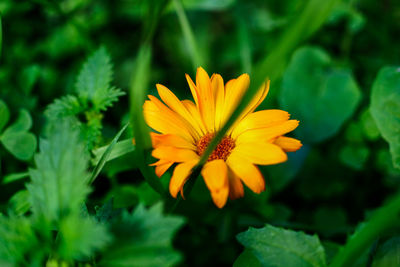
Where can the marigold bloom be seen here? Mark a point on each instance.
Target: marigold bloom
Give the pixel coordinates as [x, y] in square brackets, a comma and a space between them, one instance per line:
[186, 129]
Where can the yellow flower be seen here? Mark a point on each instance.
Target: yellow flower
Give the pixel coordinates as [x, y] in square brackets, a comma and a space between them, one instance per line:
[186, 129]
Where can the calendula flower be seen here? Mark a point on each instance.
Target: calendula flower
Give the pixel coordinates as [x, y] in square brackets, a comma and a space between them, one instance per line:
[185, 129]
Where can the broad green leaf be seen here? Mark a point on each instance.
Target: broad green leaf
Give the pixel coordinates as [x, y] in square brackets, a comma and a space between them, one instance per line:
[121, 148]
[94, 80]
[143, 238]
[370, 129]
[104, 158]
[354, 156]
[59, 182]
[247, 259]
[21, 144]
[4, 114]
[29, 77]
[276, 247]
[14, 177]
[321, 96]
[80, 237]
[385, 108]
[22, 124]
[19, 202]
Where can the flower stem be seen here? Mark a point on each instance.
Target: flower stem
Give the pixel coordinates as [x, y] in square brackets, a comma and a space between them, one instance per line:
[188, 35]
[383, 219]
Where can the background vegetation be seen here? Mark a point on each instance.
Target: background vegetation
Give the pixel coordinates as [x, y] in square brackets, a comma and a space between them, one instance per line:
[75, 191]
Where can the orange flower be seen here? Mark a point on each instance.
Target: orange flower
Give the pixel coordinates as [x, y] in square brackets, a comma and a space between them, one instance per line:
[186, 129]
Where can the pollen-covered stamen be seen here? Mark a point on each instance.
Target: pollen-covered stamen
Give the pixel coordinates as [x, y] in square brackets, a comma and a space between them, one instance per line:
[222, 151]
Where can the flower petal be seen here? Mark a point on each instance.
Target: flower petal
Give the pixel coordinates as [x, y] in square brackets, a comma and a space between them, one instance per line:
[170, 140]
[174, 154]
[288, 144]
[260, 153]
[194, 111]
[180, 175]
[260, 119]
[193, 89]
[215, 174]
[161, 169]
[234, 91]
[247, 172]
[217, 84]
[235, 185]
[205, 98]
[177, 106]
[267, 133]
[162, 119]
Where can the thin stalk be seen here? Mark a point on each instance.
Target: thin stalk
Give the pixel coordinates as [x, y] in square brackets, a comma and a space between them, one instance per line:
[383, 219]
[188, 35]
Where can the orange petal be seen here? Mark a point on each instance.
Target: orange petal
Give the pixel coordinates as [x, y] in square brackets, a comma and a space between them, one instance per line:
[180, 175]
[193, 89]
[288, 144]
[234, 92]
[170, 140]
[215, 174]
[247, 172]
[174, 154]
[235, 185]
[217, 84]
[205, 98]
[194, 111]
[260, 119]
[176, 105]
[260, 153]
[267, 133]
[162, 119]
[161, 169]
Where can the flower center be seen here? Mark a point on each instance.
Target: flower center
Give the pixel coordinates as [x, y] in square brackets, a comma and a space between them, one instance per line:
[222, 151]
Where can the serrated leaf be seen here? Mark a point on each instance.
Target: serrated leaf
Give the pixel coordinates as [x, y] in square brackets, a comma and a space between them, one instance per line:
[68, 105]
[80, 237]
[321, 96]
[19, 243]
[21, 144]
[276, 247]
[4, 114]
[59, 182]
[143, 238]
[94, 80]
[385, 108]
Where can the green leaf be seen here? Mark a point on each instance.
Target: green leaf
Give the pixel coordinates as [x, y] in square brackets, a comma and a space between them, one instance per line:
[14, 177]
[80, 237]
[276, 247]
[354, 156]
[387, 254]
[385, 108]
[68, 105]
[29, 77]
[21, 144]
[94, 80]
[22, 124]
[247, 259]
[143, 238]
[106, 154]
[321, 96]
[59, 182]
[121, 148]
[20, 244]
[4, 114]
[19, 202]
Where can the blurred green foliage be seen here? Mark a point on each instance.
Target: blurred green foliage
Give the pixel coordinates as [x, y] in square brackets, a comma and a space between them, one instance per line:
[61, 68]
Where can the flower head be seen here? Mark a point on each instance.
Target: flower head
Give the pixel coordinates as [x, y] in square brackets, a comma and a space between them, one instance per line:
[186, 128]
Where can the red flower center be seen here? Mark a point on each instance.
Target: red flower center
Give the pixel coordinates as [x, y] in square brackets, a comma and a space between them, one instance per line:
[222, 151]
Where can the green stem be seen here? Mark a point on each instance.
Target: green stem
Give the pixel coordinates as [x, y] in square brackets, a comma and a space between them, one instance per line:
[383, 219]
[188, 35]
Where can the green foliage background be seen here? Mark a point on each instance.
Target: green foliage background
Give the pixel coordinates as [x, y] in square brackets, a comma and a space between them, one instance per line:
[75, 190]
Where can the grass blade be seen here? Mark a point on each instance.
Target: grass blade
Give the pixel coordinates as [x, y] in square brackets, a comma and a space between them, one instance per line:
[106, 155]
